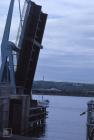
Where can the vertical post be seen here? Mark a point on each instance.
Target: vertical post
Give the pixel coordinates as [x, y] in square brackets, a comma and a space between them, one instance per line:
[5, 39]
[4, 43]
[6, 49]
[11, 69]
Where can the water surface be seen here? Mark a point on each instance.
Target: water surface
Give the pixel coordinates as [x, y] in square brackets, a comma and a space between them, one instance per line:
[64, 121]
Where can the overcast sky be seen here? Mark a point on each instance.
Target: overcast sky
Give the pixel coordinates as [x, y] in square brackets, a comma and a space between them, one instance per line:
[68, 53]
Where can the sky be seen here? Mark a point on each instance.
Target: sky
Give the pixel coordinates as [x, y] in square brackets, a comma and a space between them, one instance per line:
[68, 41]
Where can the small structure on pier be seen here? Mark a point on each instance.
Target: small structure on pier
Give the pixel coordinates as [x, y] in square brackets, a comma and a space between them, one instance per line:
[18, 111]
[90, 120]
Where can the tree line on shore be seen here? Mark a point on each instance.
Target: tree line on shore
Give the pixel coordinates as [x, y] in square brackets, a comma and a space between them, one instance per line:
[63, 88]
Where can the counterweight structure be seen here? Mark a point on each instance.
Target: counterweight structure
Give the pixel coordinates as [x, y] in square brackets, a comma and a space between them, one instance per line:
[18, 111]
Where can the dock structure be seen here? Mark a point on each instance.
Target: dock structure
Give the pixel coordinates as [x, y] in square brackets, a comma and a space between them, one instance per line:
[90, 120]
[19, 112]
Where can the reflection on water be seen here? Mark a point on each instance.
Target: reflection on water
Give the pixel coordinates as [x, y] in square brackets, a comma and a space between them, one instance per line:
[64, 121]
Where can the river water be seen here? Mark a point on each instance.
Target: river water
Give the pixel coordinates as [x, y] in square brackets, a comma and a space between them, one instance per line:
[64, 121]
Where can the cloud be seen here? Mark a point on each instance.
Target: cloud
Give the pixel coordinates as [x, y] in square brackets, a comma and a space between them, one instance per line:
[69, 42]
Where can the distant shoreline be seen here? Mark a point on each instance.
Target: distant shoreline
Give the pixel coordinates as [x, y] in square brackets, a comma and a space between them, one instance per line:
[63, 89]
[60, 94]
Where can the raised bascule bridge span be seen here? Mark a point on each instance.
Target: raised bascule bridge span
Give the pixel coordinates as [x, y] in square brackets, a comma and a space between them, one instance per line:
[19, 113]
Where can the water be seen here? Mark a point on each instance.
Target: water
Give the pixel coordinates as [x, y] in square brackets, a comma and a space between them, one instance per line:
[64, 121]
